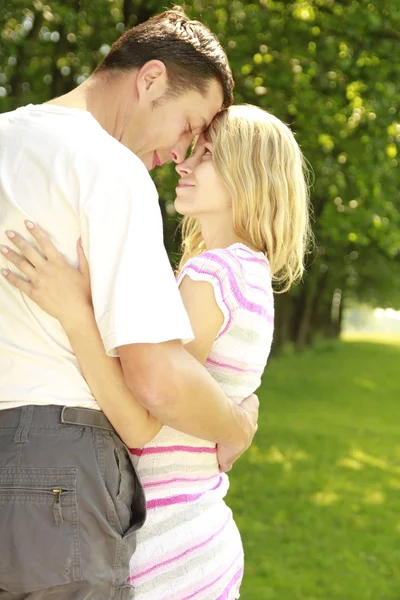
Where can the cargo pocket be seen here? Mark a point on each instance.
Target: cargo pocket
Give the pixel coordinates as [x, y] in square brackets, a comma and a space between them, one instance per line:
[126, 506]
[130, 493]
[39, 529]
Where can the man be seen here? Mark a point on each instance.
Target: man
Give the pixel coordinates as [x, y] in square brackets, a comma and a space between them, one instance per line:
[70, 499]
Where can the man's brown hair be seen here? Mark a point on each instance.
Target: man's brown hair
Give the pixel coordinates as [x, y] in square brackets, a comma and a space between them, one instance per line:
[191, 53]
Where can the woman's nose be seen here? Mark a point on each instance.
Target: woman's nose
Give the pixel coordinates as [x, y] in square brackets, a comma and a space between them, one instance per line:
[184, 168]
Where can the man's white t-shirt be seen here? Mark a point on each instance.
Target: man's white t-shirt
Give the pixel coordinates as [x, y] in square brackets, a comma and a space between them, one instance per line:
[60, 169]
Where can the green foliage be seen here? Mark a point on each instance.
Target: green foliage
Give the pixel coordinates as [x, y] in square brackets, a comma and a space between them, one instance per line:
[328, 69]
[316, 496]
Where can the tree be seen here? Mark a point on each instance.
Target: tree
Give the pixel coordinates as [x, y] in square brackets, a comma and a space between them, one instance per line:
[326, 68]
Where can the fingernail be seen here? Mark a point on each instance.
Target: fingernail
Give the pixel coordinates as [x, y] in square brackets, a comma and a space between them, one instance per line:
[10, 234]
[4, 272]
[4, 249]
[29, 224]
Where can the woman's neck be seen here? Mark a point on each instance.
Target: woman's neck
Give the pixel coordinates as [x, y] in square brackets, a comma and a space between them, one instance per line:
[217, 234]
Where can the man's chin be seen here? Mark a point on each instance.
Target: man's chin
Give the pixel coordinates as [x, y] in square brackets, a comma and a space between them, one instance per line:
[151, 161]
[147, 161]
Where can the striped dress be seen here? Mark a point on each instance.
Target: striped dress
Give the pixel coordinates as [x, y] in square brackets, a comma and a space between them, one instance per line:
[190, 546]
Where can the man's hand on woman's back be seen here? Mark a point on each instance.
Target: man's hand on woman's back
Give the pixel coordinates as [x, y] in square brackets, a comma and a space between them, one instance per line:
[229, 453]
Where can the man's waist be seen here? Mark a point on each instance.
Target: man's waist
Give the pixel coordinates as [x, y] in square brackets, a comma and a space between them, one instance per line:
[7, 403]
[53, 415]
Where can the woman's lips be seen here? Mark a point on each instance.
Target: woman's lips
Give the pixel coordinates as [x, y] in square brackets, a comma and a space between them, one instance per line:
[183, 184]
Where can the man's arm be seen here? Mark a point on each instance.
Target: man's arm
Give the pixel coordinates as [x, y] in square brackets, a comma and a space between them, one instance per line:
[179, 392]
[171, 383]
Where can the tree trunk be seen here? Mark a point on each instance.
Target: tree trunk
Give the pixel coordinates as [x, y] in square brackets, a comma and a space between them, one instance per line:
[283, 321]
[303, 337]
[337, 323]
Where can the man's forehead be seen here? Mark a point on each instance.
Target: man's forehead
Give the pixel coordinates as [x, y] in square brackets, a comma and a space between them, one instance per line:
[209, 107]
[202, 126]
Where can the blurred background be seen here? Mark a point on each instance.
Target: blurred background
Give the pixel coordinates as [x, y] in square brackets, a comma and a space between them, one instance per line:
[317, 495]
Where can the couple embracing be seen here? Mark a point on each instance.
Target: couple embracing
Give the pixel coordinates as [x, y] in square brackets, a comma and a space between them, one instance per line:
[125, 390]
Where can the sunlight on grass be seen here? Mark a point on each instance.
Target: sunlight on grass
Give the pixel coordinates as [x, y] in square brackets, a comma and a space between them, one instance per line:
[374, 497]
[350, 463]
[375, 338]
[365, 383]
[358, 459]
[324, 498]
[275, 456]
[317, 496]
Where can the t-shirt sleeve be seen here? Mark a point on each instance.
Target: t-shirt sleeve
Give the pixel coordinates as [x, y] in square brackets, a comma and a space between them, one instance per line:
[135, 294]
[219, 269]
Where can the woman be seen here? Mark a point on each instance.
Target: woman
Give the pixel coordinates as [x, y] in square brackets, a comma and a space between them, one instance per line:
[244, 198]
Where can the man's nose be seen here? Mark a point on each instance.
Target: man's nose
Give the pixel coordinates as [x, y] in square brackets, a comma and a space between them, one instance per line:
[179, 151]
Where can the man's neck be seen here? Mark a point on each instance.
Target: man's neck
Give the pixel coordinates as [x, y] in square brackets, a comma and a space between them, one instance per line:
[105, 101]
[77, 99]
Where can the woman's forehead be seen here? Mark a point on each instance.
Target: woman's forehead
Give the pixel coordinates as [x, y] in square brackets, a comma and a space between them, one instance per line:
[203, 138]
[199, 141]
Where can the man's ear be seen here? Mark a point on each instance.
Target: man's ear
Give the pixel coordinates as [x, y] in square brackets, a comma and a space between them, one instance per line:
[152, 81]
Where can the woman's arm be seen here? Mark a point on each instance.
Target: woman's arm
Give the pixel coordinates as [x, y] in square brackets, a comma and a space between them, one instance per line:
[206, 318]
[64, 293]
[134, 424]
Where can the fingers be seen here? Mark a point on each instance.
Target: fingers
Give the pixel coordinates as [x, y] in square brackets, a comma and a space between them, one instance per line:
[50, 251]
[19, 261]
[27, 250]
[251, 406]
[18, 282]
[225, 468]
[227, 455]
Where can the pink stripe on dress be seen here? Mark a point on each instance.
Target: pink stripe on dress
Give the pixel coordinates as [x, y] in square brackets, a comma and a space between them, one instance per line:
[253, 259]
[237, 576]
[264, 261]
[185, 553]
[212, 582]
[209, 361]
[242, 301]
[258, 288]
[161, 449]
[178, 480]
[161, 502]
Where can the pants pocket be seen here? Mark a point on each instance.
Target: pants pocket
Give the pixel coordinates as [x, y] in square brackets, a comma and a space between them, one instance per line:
[130, 493]
[125, 496]
[39, 530]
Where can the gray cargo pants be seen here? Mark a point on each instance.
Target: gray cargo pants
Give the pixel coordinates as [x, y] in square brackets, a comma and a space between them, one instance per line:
[70, 504]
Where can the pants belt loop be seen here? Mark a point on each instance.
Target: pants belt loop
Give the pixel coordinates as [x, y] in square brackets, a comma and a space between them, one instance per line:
[25, 421]
[88, 417]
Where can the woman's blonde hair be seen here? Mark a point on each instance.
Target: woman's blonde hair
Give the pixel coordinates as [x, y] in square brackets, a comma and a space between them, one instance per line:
[262, 165]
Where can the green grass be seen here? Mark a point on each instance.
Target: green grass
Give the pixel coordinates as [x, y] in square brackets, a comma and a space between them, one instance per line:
[317, 497]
